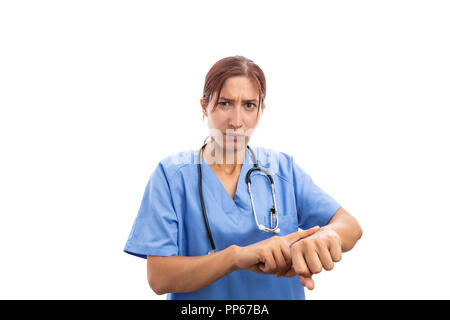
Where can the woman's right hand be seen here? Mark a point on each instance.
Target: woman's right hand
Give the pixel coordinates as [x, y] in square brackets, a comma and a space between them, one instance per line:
[270, 256]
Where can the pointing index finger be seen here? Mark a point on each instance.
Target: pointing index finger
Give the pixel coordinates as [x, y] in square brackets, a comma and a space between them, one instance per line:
[301, 234]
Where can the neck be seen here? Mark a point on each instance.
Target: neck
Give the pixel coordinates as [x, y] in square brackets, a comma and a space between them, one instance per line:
[224, 160]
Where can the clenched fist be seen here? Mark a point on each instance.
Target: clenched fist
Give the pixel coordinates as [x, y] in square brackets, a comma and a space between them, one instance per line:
[311, 254]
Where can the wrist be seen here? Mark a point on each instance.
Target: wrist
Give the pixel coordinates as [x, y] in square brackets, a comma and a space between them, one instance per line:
[332, 229]
[233, 252]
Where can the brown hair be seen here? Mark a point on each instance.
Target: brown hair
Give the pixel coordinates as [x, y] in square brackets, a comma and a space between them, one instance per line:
[229, 67]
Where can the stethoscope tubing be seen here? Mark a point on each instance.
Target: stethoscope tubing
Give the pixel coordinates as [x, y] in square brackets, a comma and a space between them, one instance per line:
[248, 181]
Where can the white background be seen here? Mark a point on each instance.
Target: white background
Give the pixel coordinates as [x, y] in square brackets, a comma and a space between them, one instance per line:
[93, 94]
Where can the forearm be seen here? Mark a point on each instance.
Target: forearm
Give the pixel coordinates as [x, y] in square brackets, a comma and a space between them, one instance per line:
[186, 274]
[346, 227]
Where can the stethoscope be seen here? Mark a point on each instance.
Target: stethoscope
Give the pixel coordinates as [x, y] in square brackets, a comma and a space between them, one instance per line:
[273, 210]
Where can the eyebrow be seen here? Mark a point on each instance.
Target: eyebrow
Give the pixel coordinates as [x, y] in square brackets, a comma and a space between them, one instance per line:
[247, 100]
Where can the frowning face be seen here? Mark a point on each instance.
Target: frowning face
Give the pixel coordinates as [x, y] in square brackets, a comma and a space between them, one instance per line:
[236, 116]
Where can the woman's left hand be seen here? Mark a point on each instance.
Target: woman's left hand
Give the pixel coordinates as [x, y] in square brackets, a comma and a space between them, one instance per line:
[311, 254]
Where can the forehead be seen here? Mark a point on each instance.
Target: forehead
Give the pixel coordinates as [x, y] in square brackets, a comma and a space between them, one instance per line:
[239, 87]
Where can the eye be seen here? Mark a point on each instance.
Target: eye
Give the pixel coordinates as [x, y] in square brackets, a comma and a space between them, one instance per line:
[251, 105]
[223, 103]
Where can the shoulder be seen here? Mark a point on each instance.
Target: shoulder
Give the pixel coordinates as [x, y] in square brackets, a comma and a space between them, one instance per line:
[174, 162]
[275, 161]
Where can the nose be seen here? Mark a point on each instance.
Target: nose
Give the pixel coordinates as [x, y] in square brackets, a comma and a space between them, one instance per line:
[236, 118]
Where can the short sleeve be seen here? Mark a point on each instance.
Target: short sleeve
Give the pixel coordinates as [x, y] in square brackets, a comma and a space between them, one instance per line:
[155, 227]
[314, 206]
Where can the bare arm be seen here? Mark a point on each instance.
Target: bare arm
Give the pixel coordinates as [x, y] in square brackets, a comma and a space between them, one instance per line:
[186, 274]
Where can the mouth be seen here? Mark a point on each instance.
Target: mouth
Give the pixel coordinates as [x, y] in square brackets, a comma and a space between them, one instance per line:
[234, 134]
[235, 137]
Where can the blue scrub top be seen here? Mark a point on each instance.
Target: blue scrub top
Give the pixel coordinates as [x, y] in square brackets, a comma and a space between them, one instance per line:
[170, 220]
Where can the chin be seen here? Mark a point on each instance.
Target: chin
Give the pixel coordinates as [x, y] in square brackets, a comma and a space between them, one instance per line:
[235, 145]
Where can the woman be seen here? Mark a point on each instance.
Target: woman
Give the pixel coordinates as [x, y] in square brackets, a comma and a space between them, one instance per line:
[256, 250]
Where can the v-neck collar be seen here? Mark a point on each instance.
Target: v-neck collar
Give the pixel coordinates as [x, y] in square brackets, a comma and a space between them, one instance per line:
[241, 196]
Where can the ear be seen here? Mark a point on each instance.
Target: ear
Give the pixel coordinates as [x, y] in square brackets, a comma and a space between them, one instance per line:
[203, 107]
